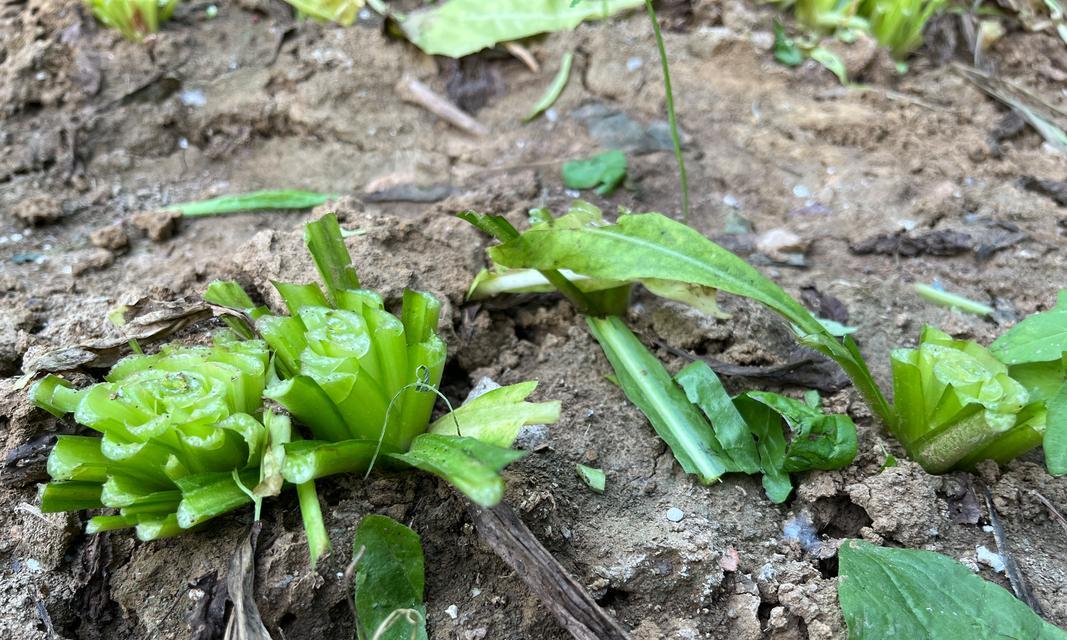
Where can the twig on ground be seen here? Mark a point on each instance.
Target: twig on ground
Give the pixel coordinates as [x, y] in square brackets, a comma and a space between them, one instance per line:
[1011, 568]
[409, 89]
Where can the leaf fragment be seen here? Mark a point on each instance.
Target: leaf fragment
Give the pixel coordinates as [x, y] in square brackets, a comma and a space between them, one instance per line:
[390, 581]
[604, 171]
[553, 91]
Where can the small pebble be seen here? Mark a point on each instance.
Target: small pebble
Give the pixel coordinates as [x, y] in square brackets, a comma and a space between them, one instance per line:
[674, 514]
[452, 611]
[633, 64]
[801, 191]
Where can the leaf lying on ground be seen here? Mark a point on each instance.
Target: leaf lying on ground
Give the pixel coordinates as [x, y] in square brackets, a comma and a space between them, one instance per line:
[555, 89]
[908, 593]
[457, 28]
[605, 171]
[594, 478]
[785, 49]
[1047, 119]
[390, 580]
[1041, 337]
[255, 201]
[750, 428]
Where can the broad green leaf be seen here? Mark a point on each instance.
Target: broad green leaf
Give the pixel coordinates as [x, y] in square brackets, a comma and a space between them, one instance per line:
[1041, 337]
[256, 201]
[605, 171]
[908, 593]
[594, 478]
[471, 466]
[770, 441]
[555, 89]
[390, 581]
[457, 28]
[648, 385]
[818, 441]
[1056, 433]
[650, 245]
[704, 389]
[496, 416]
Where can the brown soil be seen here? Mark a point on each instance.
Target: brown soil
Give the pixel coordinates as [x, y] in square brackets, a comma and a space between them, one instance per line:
[96, 130]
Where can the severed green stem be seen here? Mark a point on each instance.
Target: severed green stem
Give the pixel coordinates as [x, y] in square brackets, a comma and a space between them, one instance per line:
[946, 299]
[70, 496]
[669, 98]
[327, 248]
[314, 525]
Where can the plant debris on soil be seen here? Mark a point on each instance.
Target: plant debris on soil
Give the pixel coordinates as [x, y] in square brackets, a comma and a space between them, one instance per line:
[881, 188]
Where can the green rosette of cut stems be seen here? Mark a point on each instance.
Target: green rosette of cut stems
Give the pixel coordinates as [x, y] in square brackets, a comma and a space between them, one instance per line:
[186, 435]
[183, 437]
[364, 382]
[958, 404]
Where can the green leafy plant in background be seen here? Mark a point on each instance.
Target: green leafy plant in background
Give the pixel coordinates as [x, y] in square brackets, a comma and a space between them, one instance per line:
[681, 271]
[134, 19]
[604, 171]
[958, 404]
[183, 435]
[896, 24]
[343, 12]
[909, 593]
[364, 381]
[389, 581]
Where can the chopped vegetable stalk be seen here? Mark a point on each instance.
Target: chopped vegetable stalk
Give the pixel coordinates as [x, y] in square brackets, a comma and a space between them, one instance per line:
[176, 427]
[255, 201]
[954, 399]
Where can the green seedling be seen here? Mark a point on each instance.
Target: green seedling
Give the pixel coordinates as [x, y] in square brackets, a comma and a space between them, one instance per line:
[134, 19]
[896, 24]
[604, 171]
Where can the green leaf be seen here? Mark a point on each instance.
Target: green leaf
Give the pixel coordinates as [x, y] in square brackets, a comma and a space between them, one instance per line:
[650, 245]
[471, 466]
[831, 61]
[553, 91]
[770, 441]
[648, 385]
[496, 416]
[500, 280]
[785, 50]
[457, 28]
[1056, 433]
[389, 582]
[704, 389]
[256, 201]
[1040, 337]
[605, 171]
[819, 441]
[594, 478]
[908, 593]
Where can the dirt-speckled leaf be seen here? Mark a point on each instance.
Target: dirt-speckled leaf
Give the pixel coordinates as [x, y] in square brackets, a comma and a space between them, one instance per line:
[819, 441]
[471, 466]
[390, 580]
[461, 27]
[1041, 337]
[604, 171]
[908, 593]
[650, 245]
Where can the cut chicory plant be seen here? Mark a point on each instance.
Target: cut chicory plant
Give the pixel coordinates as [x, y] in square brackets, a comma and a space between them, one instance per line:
[183, 432]
[364, 381]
